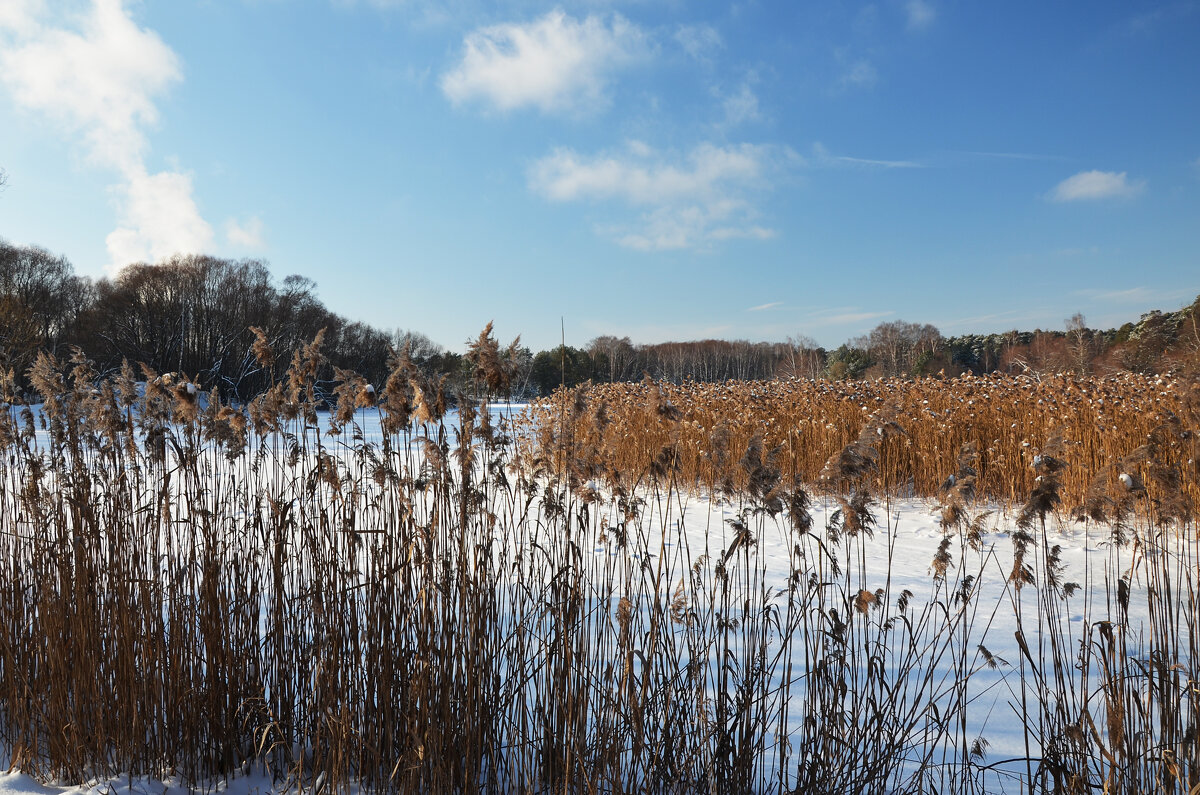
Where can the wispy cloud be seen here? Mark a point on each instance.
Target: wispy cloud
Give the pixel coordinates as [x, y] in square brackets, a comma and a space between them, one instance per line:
[639, 148]
[1009, 155]
[701, 42]
[741, 105]
[823, 157]
[1013, 317]
[765, 307]
[247, 234]
[857, 74]
[920, 14]
[1090, 185]
[96, 76]
[695, 226]
[863, 161]
[843, 316]
[557, 64]
[644, 178]
[687, 202]
[1146, 23]
[1137, 295]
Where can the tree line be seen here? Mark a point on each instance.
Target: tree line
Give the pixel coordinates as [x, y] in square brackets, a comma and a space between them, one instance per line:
[188, 314]
[1157, 342]
[193, 314]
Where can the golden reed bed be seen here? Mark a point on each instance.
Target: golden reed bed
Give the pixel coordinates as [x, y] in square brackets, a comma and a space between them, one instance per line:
[1003, 427]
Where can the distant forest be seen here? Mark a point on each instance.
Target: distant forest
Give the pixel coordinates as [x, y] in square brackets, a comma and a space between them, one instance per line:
[193, 315]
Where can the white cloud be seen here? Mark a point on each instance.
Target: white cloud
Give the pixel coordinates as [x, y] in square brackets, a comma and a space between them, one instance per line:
[1096, 185]
[19, 16]
[96, 76]
[741, 106]
[920, 14]
[701, 42]
[691, 203]
[556, 63]
[245, 235]
[765, 307]
[565, 175]
[158, 218]
[99, 81]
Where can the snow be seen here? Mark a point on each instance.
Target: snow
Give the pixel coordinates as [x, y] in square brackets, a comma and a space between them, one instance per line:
[21, 784]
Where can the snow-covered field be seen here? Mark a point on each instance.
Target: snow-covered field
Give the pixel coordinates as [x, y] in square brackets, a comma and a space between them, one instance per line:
[969, 615]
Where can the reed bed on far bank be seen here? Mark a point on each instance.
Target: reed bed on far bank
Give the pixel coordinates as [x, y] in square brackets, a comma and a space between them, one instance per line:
[1104, 427]
[194, 589]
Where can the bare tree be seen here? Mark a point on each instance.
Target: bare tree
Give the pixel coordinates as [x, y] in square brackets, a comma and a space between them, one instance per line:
[898, 347]
[615, 354]
[41, 300]
[1046, 353]
[520, 360]
[1079, 342]
[420, 347]
[192, 313]
[801, 358]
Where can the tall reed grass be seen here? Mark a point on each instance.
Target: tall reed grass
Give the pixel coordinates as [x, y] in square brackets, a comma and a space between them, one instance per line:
[197, 590]
[1010, 422]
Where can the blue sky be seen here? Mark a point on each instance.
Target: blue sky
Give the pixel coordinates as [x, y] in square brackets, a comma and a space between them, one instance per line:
[662, 170]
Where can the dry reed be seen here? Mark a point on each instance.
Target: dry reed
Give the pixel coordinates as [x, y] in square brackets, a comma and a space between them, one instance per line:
[196, 589]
